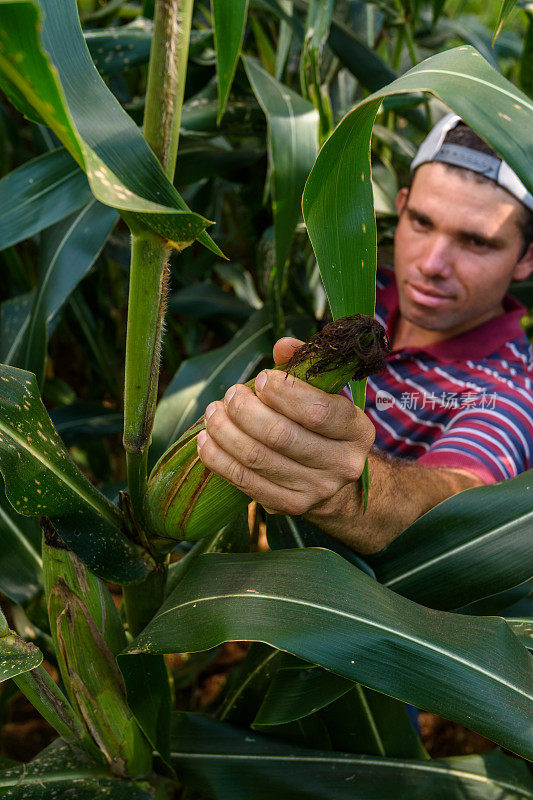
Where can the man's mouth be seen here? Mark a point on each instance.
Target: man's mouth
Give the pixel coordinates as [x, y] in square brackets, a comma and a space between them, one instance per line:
[427, 296]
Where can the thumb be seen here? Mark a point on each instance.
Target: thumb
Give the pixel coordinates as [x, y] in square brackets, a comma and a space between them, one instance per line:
[284, 348]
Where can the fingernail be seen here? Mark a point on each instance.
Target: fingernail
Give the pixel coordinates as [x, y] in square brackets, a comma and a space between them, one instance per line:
[260, 381]
[229, 394]
[210, 410]
[202, 436]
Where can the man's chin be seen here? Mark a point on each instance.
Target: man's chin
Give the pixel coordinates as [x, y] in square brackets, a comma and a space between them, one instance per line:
[429, 321]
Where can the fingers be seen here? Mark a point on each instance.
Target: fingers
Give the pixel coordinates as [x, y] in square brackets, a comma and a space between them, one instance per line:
[273, 496]
[263, 439]
[284, 348]
[329, 415]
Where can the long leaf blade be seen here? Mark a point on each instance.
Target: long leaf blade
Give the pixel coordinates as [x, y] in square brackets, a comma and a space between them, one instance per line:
[58, 769]
[20, 557]
[230, 764]
[229, 18]
[473, 545]
[292, 148]
[39, 194]
[42, 480]
[69, 250]
[43, 80]
[361, 631]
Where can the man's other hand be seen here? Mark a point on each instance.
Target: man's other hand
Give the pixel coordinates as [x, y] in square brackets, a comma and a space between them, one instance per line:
[290, 446]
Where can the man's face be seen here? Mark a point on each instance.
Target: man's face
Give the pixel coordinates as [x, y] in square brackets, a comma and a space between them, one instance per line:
[457, 248]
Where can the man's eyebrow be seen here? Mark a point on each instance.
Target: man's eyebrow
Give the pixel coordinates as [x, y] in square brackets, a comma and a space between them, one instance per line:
[481, 239]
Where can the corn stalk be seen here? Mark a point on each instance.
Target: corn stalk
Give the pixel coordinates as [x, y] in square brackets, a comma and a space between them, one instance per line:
[149, 262]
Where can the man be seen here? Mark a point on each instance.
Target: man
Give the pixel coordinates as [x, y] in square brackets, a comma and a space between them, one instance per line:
[456, 393]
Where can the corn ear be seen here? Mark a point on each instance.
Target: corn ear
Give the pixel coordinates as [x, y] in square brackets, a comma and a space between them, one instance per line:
[60, 562]
[87, 632]
[184, 500]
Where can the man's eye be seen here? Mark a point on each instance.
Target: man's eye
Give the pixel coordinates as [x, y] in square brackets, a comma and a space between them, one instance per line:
[476, 244]
[420, 224]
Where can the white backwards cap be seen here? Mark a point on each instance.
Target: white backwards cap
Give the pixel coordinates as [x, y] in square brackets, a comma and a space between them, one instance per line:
[433, 148]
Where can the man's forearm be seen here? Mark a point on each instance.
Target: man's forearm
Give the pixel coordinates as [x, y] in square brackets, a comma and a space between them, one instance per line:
[399, 493]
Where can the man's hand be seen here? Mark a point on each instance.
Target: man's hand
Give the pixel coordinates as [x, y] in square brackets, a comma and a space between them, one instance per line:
[290, 446]
[297, 450]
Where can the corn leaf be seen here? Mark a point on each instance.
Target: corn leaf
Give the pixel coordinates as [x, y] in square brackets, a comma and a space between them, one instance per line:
[116, 49]
[367, 722]
[292, 148]
[41, 480]
[43, 61]
[230, 763]
[315, 605]
[229, 19]
[39, 194]
[505, 10]
[337, 201]
[470, 546]
[20, 555]
[69, 250]
[16, 655]
[522, 629]
[59, 770]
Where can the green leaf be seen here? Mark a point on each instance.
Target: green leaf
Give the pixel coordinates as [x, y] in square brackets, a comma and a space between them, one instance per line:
[207, 299]
[285, 533]
[148, 695]
[229, 763]
[526, 59]
[522, 629]
[20, 560]
[42, 76]
[232, 538]
[16, 655]
[472, 545]
[498, 604]
[204, 378]
[229, 18]
[358, 720]
[292, 148]
[79, 421]
[337, 200]
[248, 681]
[505, 10]
[367, 722]
[63, 773]
[209, 159]
[69, 250]
[39, 194]
[115, 49]
[295, 693]
[41, 480]
[338, 618]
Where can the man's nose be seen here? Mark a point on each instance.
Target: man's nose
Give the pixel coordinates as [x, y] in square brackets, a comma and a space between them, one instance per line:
[436, 260]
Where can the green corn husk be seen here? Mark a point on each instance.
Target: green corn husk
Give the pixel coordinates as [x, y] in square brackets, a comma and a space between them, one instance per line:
[60, 562]
[87, 632]
[185, 500]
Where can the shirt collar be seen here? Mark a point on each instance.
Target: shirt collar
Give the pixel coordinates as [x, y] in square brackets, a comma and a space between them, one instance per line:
[474, 344]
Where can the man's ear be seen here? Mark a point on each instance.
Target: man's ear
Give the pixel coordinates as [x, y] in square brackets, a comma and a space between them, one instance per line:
[524, 267]
[401, 199]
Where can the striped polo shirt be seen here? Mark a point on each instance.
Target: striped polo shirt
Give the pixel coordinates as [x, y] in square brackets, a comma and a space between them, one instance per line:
[465, 402]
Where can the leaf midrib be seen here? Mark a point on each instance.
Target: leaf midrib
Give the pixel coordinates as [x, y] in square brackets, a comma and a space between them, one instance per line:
[109, 515]
[253, 595]
[458, 549]
[20, 537]
[357, 760]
